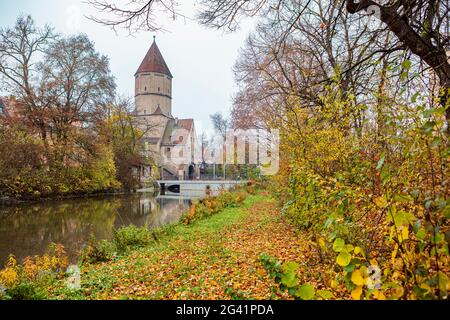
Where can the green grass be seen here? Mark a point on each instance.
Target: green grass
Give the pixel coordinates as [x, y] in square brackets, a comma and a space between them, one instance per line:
[225, 218]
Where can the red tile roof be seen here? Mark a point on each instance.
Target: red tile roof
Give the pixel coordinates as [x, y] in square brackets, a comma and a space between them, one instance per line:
[154, 62]
[186, 124]
[172, 126]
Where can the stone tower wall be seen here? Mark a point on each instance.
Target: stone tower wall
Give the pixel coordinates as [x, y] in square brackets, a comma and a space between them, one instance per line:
[151, 90]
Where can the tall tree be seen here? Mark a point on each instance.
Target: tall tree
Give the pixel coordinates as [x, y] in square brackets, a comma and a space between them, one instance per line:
[221, 125]
[78, 84]
[128, 136]
[20, 49]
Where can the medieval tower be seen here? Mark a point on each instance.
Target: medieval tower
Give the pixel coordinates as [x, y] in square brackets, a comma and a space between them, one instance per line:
[153, 89]
[153, 108]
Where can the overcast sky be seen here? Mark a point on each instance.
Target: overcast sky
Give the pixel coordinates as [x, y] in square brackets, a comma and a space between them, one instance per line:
[200, 59]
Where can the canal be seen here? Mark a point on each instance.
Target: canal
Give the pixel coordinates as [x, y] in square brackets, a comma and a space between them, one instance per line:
[28, 229]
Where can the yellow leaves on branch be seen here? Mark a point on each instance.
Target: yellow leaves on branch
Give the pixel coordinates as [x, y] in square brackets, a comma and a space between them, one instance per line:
[9, 275]
[55, 263]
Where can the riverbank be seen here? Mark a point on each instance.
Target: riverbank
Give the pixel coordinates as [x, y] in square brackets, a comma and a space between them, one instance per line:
[217, 257]
[8, 201]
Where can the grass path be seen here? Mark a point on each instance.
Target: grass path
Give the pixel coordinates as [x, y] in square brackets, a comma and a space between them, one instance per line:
[215, 258]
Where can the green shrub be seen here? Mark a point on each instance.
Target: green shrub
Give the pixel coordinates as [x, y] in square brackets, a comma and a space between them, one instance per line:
[131, 237]
[24, 291]
[98, 251]
[125, 238]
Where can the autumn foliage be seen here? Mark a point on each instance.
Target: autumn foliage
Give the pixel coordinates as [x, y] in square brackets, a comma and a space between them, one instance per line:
[377, 206]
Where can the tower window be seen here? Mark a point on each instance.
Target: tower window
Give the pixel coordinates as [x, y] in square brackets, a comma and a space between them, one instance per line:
[145, 111]
[145, 89]
[159, 89]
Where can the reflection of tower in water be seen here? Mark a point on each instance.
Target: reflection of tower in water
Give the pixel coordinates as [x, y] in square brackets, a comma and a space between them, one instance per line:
[147, 206]
[161, 211]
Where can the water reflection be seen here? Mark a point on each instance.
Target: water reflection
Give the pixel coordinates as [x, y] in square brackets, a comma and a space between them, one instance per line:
[28, 229]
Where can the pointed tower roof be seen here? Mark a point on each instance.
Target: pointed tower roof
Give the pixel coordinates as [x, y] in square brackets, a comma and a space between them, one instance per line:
[154, 61]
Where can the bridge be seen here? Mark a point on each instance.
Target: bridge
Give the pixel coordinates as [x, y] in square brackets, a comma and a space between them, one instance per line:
[197, 186]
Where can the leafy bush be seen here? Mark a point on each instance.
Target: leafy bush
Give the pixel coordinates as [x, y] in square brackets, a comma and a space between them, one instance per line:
[124, 239]
[53, 263]
[26, 290]
[32, 169]
[132, 237]
[97, 251]
[376, 204]
[286, 276]
[25, 282]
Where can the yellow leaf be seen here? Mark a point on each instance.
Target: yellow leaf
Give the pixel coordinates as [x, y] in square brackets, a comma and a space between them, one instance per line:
[380, 202]
[343, 259]
[394, 253]
[356, 293]
[398, 292]
[357, 277]
[403, 234]
[379, 295]
[373, 262]
[333, 284]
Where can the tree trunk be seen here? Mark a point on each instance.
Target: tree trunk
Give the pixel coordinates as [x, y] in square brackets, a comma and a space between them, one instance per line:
[434, 56]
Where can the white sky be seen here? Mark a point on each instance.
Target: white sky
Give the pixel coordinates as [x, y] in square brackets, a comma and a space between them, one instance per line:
[200, 59]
